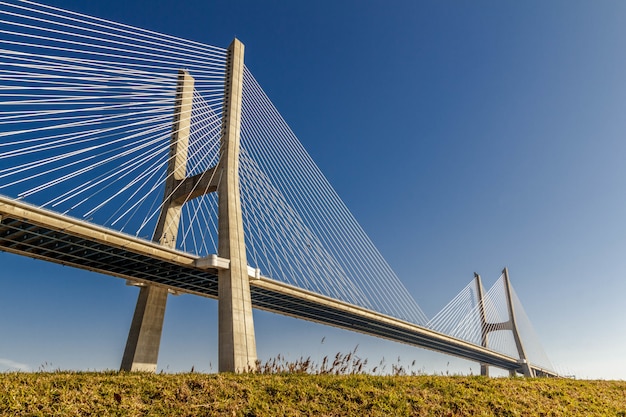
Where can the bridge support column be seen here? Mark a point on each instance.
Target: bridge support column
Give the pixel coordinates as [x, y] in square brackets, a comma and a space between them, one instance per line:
[484, 368]
[524, 365]
[237, 344]
[144, 339]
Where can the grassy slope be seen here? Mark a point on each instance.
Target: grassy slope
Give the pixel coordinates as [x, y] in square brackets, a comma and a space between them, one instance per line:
[113, 393]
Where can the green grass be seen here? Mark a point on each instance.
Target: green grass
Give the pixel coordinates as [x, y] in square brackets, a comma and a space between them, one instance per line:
[302, 394]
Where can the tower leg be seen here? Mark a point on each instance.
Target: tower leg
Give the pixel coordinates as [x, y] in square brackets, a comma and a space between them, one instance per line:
[144, 337]
[484, 368]
[237, 346]
[526, 369]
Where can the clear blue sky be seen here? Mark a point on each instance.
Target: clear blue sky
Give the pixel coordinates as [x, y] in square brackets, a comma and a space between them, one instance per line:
[463, 136]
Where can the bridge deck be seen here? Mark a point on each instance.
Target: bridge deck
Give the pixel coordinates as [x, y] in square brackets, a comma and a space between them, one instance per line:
[42, 234]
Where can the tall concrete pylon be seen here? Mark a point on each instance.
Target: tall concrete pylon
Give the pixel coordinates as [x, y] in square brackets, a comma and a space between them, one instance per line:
[237, 343]
[524, 364]
[510, 324]
[484, 368]
[144, 338]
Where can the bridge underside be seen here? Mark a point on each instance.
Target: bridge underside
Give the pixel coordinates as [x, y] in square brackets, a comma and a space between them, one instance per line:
[32, 240]
[37, 233]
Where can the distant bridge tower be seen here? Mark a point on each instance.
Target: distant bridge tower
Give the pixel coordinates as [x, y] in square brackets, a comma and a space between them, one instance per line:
[510, 324]
[237, 345]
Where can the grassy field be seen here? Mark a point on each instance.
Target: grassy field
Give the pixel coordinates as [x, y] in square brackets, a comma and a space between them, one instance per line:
[300, 394]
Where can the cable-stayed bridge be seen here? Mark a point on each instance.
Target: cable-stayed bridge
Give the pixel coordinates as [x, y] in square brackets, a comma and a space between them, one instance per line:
[162, 161]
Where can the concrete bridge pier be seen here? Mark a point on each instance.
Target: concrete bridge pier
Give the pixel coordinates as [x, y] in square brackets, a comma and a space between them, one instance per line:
[237, 344]
[523, 359]
[484, 368]
[144, 338]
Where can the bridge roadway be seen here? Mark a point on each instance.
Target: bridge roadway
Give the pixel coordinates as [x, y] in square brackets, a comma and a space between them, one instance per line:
[38, 233]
